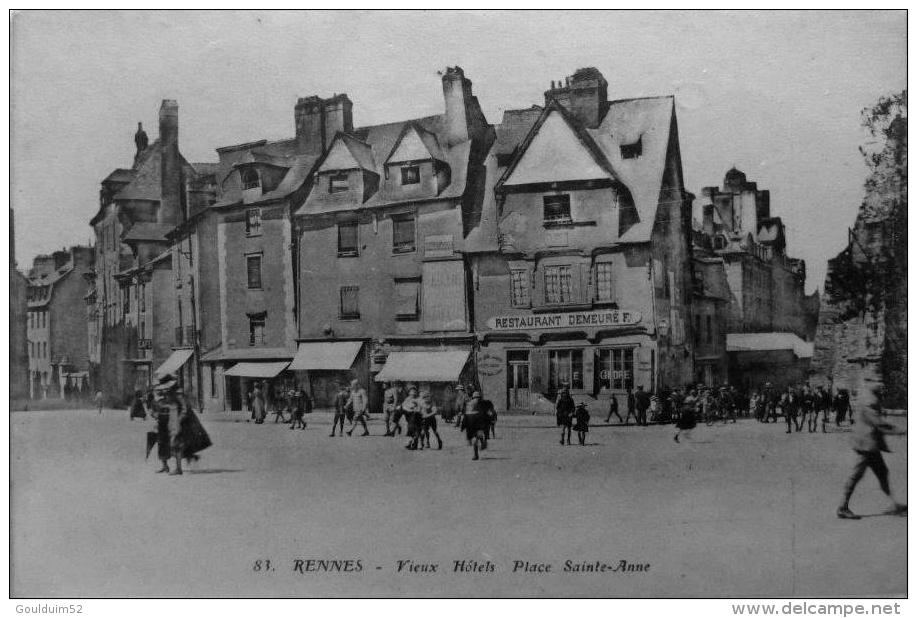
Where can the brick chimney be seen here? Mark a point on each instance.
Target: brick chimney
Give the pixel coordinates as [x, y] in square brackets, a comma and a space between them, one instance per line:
[318, 120]
[170, 205]
[459, 102]
[583, 94]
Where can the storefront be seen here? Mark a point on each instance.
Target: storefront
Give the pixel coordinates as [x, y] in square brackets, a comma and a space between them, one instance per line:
[779, 358]
[524, 361]
[273, 377]
[436, 371]
[322, 366]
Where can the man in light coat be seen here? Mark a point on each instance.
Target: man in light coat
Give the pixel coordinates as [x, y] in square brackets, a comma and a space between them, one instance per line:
[359, 403]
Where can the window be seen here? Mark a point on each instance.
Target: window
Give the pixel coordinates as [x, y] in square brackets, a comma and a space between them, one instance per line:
[126, 300]
[632, 151]
[347, 239]
[697, 332]
[253, 222]
[213, 382]
[44, 347]
[254, 271]
[338, 183]
[557, 209]
[709, 329]
[410, 175]
[256, 328]
[520, 288]
[31, 349]
[403, 234]
[565, 369]
[616, 369]
[250, 179]
[407, 299]
[558, 285]
[350, 303]
[603, 289]
[143, 297]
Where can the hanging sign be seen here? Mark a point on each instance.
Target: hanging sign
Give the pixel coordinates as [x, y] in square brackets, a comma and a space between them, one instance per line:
[577, 319]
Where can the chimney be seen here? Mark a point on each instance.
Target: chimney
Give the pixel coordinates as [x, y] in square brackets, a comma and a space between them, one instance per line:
[458, 100]
[338, 116]
[170, 200]
[141, 141]
[60, 258]
[708, 219]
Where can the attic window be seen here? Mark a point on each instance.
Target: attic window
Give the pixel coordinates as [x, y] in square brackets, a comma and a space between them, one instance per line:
[410, 175]
[337, 183]
[250, 179]
[632, 151]
[557, 209]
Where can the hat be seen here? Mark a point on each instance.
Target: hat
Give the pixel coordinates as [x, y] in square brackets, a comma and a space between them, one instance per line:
[459, 388]
[475, 394]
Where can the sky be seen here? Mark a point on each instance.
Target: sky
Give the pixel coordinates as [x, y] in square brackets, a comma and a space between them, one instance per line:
[776, 94]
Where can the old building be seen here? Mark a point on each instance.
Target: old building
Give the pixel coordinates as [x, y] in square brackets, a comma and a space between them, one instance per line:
[19, 344]
[711, 311]
[580, 258]
[767, 324]
[383, 290]
[57, 337]
[137, 312]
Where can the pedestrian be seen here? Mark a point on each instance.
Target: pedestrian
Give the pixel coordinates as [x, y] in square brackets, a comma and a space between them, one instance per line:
[842, 409]
[613, 410]
[772, 398]
[411, 409]
[631, 405]
[359, 405]
[581, 423]
[809, 417]
[340, 407]
[566, 409]
[427, 412]
[459, 404]
[688, 418]
[137, 409]
[790, 405]
[258, 403]
[642, 402]
[822, 406]
[868, 443]
[161, 414]
[99, 398]
[398, 413]
[300, 404]
[389, 406]
[475, 422]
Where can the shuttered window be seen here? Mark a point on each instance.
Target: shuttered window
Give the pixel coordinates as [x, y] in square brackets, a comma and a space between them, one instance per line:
[350, 303]
[403, 234]
[558, 284]
[347, 239]
[407, 299]
[254, 271]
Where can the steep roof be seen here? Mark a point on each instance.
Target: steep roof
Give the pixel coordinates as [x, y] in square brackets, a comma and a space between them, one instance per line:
[147, 231]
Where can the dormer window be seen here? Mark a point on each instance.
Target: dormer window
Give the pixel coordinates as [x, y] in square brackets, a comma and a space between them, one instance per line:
[557, 209]
[410, 175]
[632, 151]
[337, 183]
[250, 179]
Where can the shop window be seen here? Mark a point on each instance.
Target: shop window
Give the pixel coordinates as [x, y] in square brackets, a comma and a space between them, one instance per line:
[338, 183]
[410, 175]
[520, 288]
[407, 299]
[347, 239]
[256, 325]
[350, 303]
[565, 369]
[557, 209]
[603, 288]
[403, 234]
[250, 179]
[616, 369]
[558, 284]
[253, 263]
[253, 222]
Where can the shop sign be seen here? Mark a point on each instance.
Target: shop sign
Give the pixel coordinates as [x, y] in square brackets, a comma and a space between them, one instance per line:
[615, 375]
[577, 319]
[490, 365]
[438, 246]
[144, 344]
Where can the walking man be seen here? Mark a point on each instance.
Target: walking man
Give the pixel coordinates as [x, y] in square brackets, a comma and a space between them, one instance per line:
[359, 403]
[631, 405]
[99, 399]
[643, 404]
[475, 424]
[340, 406]
[389, 405]
[613, 410]
[869, 442]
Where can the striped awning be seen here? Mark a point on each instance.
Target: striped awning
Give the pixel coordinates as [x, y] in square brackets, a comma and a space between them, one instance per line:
[423, 367]
[256, 370]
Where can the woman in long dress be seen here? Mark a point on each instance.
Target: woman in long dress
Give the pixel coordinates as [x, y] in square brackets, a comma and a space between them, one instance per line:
[258, 407]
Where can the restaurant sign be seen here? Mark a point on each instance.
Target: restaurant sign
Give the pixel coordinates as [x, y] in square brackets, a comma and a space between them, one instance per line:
[576, 319]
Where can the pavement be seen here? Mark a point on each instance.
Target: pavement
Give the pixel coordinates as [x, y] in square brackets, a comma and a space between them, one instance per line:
[741, 510]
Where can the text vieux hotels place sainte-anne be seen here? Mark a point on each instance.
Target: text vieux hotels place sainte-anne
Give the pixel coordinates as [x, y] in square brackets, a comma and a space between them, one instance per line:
[611, 317]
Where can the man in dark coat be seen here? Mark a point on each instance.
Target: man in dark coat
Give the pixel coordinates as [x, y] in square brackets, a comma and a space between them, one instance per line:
[476, 423]
[340, 409]
[869, 443]
[565, 409]
[613, 410]
[642, 401]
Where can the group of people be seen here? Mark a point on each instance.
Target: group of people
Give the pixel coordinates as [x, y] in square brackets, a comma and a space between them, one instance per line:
[179, 434]
[801, 406]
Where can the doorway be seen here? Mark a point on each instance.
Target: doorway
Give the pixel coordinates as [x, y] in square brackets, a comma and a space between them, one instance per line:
[517, 380]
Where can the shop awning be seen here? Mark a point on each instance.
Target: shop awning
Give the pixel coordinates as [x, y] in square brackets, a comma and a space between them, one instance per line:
[327, 355]
[423, 367]
[256, 370]
[766, 342]
[176, 359]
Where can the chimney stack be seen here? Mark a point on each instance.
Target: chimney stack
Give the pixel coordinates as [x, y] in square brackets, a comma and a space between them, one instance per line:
[583, 94]
[458, 100]
[318, 120]
[170, 200]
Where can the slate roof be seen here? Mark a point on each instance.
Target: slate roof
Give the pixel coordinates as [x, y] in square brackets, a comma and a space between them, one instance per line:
[147, 231]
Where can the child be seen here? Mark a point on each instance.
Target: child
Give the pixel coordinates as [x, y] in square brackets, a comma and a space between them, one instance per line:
[581, 423]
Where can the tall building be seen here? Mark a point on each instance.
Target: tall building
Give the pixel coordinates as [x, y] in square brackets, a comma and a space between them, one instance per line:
[580, 259]
[57, 335]
[768, 329]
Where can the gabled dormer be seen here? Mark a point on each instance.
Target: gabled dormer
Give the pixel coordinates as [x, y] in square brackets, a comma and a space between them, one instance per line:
[256, 178]
[347, 175]
[416, 167]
